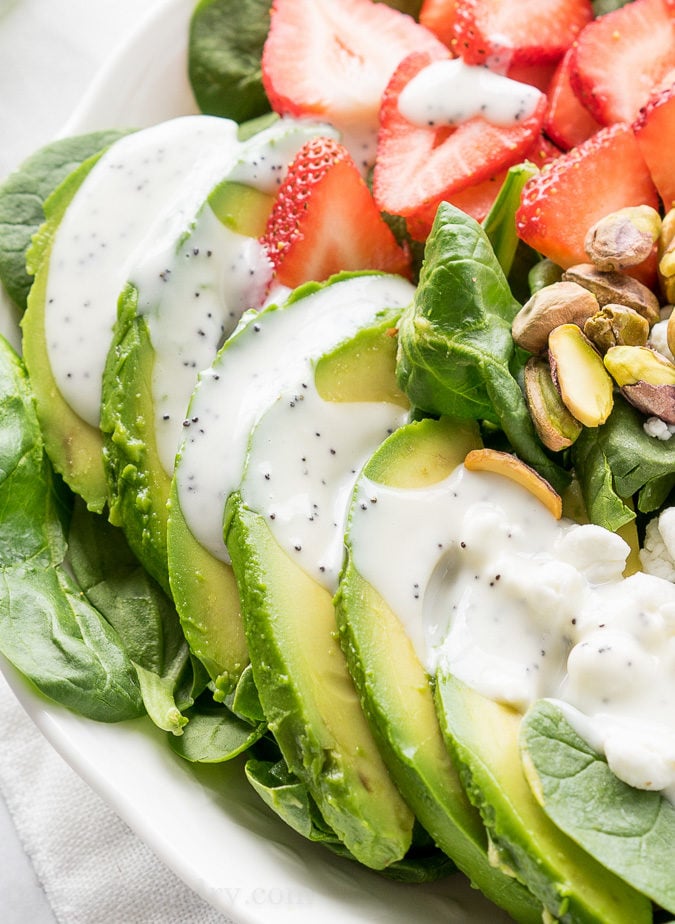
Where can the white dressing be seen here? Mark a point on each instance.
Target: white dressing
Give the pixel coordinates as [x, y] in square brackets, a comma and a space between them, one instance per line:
[520, 606]
[140, 179]
[449, 92]
[271, 356]
[303, 461]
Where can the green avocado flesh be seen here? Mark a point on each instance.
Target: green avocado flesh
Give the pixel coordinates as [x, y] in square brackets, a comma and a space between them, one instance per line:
[483, 737]
[395, 690]
[74, 447]
[207, 599]
[138, 483]
[309, 700]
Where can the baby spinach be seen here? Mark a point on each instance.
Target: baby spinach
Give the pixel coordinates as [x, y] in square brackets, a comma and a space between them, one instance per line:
[630, 831]
[456, 355]
[224, 52]
[22, 197]
[618, 460]
[213, 734]
[143, 616]
[48, 630]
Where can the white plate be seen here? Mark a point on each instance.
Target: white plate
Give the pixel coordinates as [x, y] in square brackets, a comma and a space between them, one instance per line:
[218, 836]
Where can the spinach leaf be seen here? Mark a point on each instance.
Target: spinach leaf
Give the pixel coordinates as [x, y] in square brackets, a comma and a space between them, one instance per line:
[22, 196]
[224, 52]
[630, 831]
[456, 355]
[500, 224]
[214, 734]
[48, 630]
[143, 616]
[617, 460]
[600, 7]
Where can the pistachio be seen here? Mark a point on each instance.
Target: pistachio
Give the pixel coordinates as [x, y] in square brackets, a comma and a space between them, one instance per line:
[584, 384]
[615, 289]
[652, 400]
[623, 238]
[615, 325]
[559, 303]
[543, 273]
[646, 378]
[670, 333]
[510, 466]
[667, 255]
[557, 428]
[630, 364]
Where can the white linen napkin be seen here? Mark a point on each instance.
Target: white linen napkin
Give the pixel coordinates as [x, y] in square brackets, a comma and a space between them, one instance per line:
[92, 867]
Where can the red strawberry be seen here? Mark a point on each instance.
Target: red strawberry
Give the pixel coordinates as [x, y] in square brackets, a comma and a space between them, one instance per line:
[567, 121]
[439, 17]
[655, 133]
[418, 166]
[537, 75]
[559, 205]
[332, 59]
[478, 200]
[504, 32]
[325, 220]
[623, 58]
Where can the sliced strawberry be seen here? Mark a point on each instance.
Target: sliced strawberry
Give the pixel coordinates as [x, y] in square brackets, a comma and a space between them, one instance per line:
[567, 121]
[537, 75]
[655, 133]
[439, 17]
[478, 200]
[623, 58]
[332, 59]
[325, 220]
[418, 166]
[506, 32]
[559, 205]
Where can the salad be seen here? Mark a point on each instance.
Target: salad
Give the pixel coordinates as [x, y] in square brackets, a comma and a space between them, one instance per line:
[335, 329]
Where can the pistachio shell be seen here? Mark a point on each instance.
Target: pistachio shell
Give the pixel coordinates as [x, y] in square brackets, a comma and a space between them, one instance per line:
[616, 289]
[559, 303]
[585, 386]
[557, 428]
[623, 238]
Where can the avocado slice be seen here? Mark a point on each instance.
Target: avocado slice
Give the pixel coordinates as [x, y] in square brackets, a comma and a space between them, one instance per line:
[395, 689]
[254, 363]
[483, 737]
[185, 295]
[138, 469]
[308, 697]
[74, 447]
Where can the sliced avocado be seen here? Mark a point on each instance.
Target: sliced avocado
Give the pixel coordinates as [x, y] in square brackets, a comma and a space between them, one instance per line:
[255, 362]
[573, 887]
[396, 692]
[207, 598]
[309, 700]
[74, 446]
[138, 479]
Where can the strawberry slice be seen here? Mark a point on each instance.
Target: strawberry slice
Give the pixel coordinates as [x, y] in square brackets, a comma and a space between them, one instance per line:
[655, 133]
[623, 58]
[567, 121]
[559, 205]
[331, 60]
[439, 17]
[418, 166]
[478, 200]
[500, 33]
[325, 220]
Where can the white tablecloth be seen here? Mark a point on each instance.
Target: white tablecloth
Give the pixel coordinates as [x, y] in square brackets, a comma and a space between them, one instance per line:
[64, 855]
